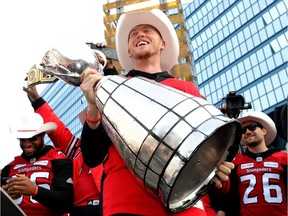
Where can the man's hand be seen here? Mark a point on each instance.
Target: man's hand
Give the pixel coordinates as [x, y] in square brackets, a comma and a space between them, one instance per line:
[100, 45]
[31, 93]
[90, 78]
[11, 194]
[222, 174]
[19, 185]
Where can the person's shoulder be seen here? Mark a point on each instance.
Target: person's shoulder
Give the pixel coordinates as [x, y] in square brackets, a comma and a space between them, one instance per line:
[56, 153]
[17, 160]
[239, 158]
[182, 85]
[281, 156]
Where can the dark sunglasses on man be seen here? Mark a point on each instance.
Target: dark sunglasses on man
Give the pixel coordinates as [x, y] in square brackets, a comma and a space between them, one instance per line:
[251, 127]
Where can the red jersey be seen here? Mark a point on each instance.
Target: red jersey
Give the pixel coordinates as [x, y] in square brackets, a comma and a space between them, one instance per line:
[52, 172]
[141, 201]
[122, 193]
[262, 183]
[86, 181]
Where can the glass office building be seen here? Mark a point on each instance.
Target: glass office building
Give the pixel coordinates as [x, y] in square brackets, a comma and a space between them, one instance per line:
[67, 101]
[240, 46]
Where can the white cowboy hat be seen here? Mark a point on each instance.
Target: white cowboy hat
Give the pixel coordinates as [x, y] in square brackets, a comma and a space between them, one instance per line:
[31, 125]
[264, 120]
[157, 19]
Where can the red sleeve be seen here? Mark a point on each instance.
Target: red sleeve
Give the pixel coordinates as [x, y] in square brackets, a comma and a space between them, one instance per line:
[62, 137]
[223, 190]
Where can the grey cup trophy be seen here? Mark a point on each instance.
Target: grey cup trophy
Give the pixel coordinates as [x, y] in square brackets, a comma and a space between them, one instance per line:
[68, 61]
[171, 141]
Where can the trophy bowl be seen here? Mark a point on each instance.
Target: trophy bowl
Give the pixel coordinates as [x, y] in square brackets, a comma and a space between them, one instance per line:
[68, 61]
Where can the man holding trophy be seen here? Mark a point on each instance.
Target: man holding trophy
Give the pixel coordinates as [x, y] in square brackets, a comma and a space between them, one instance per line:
[147, 46]
[86, 181]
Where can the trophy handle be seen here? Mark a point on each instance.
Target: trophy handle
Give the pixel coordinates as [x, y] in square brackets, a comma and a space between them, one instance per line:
[101, 57]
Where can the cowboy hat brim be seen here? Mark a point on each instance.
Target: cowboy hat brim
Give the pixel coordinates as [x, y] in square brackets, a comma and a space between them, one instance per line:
[31, 125]
[157, 19]
[46, 128]
[264, 120]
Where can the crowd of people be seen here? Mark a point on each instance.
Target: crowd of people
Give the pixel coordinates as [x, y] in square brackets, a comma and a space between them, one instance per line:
[88, 176]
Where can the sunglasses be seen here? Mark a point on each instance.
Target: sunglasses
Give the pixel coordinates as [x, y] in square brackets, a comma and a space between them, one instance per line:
[32, 139]
[251, 127]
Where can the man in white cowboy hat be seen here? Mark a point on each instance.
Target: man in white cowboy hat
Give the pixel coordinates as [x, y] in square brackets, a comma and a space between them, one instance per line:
[259, 180]
[86, 180]
[147, 46]
[41, 177]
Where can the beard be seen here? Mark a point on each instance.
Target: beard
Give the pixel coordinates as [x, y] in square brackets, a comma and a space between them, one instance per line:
[251, 144]
[143, 55]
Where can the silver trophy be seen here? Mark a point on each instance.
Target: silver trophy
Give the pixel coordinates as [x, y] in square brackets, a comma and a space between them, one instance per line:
[170, 140]
[68, 61]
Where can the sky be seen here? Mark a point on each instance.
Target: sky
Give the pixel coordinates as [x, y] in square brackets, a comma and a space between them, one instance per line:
[28, 29]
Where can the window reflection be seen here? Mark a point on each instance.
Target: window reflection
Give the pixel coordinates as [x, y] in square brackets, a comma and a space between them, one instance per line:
[280, 94]
[283, 76]
[264, 102]
[243, 79]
